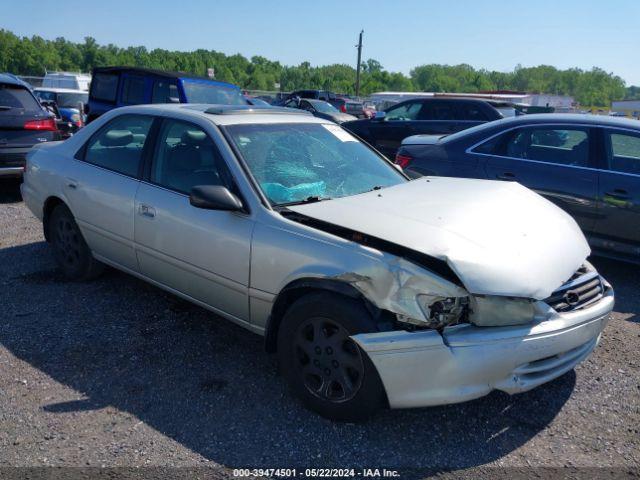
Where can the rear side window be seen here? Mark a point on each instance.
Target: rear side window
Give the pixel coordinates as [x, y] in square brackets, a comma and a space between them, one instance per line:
[104, 86]
[438, 111]
[562, 146]
[118, 145]
[623, 151]
[472, 112]
[185, 157]
[133, 90]
[14, 97]
[165, 91]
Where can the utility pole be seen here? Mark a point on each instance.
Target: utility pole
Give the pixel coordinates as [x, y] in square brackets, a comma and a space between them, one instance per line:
[359, 46]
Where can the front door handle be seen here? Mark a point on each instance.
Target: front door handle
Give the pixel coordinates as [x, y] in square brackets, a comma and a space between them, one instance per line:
[619, 194]
[72, 183]
[506, 176]
[147, 211]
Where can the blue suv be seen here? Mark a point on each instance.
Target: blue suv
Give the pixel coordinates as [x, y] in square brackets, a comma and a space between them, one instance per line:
[113, 87]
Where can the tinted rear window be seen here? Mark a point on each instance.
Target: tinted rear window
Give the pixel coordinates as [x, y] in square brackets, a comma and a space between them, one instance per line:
[104, 86]
[15, 97]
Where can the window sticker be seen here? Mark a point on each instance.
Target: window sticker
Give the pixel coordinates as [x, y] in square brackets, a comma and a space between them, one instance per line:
[339, 133]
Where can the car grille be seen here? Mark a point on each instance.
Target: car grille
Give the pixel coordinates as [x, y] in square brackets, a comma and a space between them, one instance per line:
[581, 290]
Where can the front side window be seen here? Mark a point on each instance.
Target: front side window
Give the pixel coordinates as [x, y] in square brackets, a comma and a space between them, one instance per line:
[133, 90]
[209, 92]
[104, 86]
[406, 111]
[293, 162]
[185, 157]
[119, 144]
[623, 151]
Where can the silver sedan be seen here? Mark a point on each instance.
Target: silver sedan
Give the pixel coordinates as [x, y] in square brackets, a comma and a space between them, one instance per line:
[373, 290]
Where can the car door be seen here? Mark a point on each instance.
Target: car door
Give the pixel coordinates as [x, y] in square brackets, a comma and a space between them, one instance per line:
[557, 161]
[618, 222]
[397, 124]
[436, 117]
[133, 90]
[200, 253]
[102, 184]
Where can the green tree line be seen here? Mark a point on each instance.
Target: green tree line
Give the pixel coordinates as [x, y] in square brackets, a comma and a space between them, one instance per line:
[32, 56]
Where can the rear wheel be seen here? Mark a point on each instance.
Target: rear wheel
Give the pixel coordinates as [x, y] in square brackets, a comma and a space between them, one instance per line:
[322, 364]
[70, 251]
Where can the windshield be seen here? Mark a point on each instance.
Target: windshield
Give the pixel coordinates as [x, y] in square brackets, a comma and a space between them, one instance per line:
[72, 99]
[297, 162]
[63, 99]
[207, 92]
[325, 107]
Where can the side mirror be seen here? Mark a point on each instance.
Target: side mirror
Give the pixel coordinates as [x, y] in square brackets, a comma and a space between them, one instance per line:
[214, 197]
[379, 116]
[174, 100]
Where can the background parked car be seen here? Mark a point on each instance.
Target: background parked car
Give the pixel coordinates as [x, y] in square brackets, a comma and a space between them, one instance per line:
[587, 165]
[343, 103]
[113, 87]
[256, 101]
[73, 81]
[24, 122]
[421, 116]
[68, 102]
[320, 109]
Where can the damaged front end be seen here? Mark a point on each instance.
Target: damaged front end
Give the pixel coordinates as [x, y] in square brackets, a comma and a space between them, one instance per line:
[420, 291]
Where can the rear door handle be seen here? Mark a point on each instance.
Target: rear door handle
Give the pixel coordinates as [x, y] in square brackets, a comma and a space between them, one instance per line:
[619, 194]
[147, 211]
[506, 176]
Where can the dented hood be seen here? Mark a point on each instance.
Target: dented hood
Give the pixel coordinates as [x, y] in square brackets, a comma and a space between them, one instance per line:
[499, 237]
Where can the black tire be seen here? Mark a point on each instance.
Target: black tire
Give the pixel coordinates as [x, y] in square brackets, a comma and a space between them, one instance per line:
[323, 366]
[70, 251]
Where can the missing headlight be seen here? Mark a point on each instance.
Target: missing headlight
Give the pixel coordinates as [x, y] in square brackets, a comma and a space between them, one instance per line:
[443, 311]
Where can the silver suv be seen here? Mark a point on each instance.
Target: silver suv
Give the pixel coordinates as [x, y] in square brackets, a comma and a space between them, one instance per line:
[373, 290]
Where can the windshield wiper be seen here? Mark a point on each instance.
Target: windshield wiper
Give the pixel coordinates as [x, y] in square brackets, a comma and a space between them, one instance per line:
[311, 199]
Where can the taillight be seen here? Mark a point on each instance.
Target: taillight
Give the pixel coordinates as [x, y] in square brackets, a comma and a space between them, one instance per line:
[403, 160]
[343, 108]
[46, 124]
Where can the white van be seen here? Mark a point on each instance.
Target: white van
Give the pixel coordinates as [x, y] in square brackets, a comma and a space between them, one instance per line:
[74, 81]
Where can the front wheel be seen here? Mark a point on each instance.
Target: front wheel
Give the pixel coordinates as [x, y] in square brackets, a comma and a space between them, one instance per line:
[324, 367]
[70, 251]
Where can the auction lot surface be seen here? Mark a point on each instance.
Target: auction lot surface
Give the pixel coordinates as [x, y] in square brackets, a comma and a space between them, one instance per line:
[116, 372]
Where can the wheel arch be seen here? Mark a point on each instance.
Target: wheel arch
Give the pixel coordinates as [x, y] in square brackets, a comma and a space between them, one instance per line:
[49, 205]
[304, 286]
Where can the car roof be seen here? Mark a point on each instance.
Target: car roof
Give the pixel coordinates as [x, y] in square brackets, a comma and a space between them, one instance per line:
[59, 90]
[10, 79]
[158, 73]
[542, 119]
[229, 114]
[572, 118]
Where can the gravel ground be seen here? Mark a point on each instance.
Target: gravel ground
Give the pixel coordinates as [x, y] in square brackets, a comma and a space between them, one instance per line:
[118, 373]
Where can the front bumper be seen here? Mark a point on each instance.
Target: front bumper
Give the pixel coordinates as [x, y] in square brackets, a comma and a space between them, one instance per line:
[426, 368]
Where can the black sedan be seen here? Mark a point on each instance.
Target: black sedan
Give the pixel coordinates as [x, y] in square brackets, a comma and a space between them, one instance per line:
[587, 165]
[320, 109]
[432, 115]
